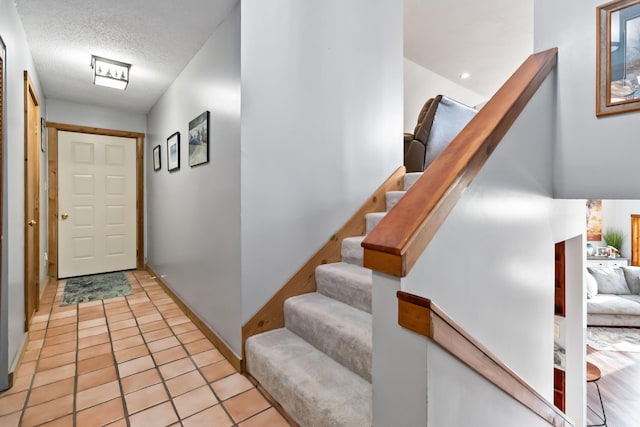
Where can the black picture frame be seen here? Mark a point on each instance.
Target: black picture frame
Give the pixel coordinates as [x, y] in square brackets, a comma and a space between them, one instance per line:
[173, 152]
[157, 158]
[43, 135]
[199, 140]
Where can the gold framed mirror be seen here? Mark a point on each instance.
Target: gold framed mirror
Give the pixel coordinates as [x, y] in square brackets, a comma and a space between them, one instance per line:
[618, 57]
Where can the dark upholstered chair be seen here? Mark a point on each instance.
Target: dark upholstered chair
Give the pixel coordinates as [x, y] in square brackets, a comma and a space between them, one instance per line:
[439, 121]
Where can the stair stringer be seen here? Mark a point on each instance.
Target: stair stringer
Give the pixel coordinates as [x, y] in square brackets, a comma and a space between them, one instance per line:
[271, 315]
[318, 366]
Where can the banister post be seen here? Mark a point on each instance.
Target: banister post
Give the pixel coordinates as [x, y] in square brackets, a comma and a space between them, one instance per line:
[399, 371]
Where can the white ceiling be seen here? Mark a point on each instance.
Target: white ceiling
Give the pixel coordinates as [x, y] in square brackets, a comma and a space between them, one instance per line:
[488, 39]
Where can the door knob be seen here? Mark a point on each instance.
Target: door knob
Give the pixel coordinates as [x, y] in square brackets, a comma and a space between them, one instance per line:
[64, 215]
[32, 222]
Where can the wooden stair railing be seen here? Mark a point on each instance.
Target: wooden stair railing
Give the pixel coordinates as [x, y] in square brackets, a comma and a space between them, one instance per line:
[399, 239]
[422, 316]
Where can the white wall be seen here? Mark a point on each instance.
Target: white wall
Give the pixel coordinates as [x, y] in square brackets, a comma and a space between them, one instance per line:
[60, 111]
[575, 325]
[567, 224]
[595, 158]
[477, 403]
[12, 297]
[491, 264]
[491, 268]
[420, 84]
[193, 214]
[321, 127]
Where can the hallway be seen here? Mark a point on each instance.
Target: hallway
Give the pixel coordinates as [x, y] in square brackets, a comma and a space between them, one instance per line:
[127, 361]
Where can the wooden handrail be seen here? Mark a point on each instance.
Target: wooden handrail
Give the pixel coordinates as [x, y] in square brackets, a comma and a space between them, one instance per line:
[399, 239]
[422, 316]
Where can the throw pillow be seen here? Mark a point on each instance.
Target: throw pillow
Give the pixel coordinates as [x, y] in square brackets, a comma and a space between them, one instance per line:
[610, 280]
[592, 285]
[632, 274]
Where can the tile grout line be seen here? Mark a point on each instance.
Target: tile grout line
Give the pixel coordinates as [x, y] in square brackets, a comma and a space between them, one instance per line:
[189, 355]
[209, 384]
[74, 414]
[30, 388]
[115, 363]
[152, 292]
[146, 344]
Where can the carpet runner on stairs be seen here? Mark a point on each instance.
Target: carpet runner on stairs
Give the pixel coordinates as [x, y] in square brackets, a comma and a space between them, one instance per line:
[318, 367]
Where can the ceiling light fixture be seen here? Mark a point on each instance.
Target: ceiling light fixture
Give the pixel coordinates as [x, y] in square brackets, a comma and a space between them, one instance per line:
[110, 73]
[465, 76]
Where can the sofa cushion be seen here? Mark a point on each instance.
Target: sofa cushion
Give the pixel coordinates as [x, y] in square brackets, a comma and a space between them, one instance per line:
[632, 275]
[629, 320]
[614, 304]
[592, 285]
[610, 280]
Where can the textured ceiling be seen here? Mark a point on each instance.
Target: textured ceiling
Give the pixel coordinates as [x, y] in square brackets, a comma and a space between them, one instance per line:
[488, 39]
[158, 37]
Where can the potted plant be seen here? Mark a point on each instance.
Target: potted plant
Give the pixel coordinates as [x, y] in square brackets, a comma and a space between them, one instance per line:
[613, 237]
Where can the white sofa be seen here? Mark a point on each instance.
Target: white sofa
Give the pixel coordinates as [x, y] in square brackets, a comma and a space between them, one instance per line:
[613, 296]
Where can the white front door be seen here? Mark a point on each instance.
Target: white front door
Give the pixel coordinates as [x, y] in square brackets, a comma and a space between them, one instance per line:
[96, 204]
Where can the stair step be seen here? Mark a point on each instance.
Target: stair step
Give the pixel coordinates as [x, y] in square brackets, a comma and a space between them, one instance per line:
[392, 198]
[314, 389]
[352, 251]
[410, 179]
[338, 330]
[345, 282]
[372, 219]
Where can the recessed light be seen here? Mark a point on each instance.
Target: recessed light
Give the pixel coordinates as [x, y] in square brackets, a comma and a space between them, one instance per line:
[465, 76]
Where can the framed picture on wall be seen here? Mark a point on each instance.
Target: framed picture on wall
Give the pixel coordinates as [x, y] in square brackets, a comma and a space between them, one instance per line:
[173, 152]
[157, 162]
[199, 140]
[618, 57]
[43, 135]
[594, 220]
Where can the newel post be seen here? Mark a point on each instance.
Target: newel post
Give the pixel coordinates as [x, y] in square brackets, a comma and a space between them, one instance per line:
[399, 364]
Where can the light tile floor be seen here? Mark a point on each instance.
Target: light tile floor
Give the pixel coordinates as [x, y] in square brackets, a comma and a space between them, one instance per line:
[127, 361]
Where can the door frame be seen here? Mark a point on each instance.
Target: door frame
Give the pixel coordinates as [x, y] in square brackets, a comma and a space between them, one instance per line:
[635, 239]
[30, 94]
[52, 131]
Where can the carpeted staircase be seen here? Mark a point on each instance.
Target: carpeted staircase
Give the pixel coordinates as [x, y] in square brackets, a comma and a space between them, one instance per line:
[318, 367]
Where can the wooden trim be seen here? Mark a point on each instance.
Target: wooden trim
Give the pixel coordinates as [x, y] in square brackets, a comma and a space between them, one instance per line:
[52, 151]
[560, 279]
[271, 315]
[414, 312]
[204, 328]
[635, 239]
[17, 362]
[94, 130]
[31, 246]
[140, 264]
[397, 242]
[53, 129]
[276, 405]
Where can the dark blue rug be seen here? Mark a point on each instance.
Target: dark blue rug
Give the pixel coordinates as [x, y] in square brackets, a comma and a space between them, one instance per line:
[95, 287]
